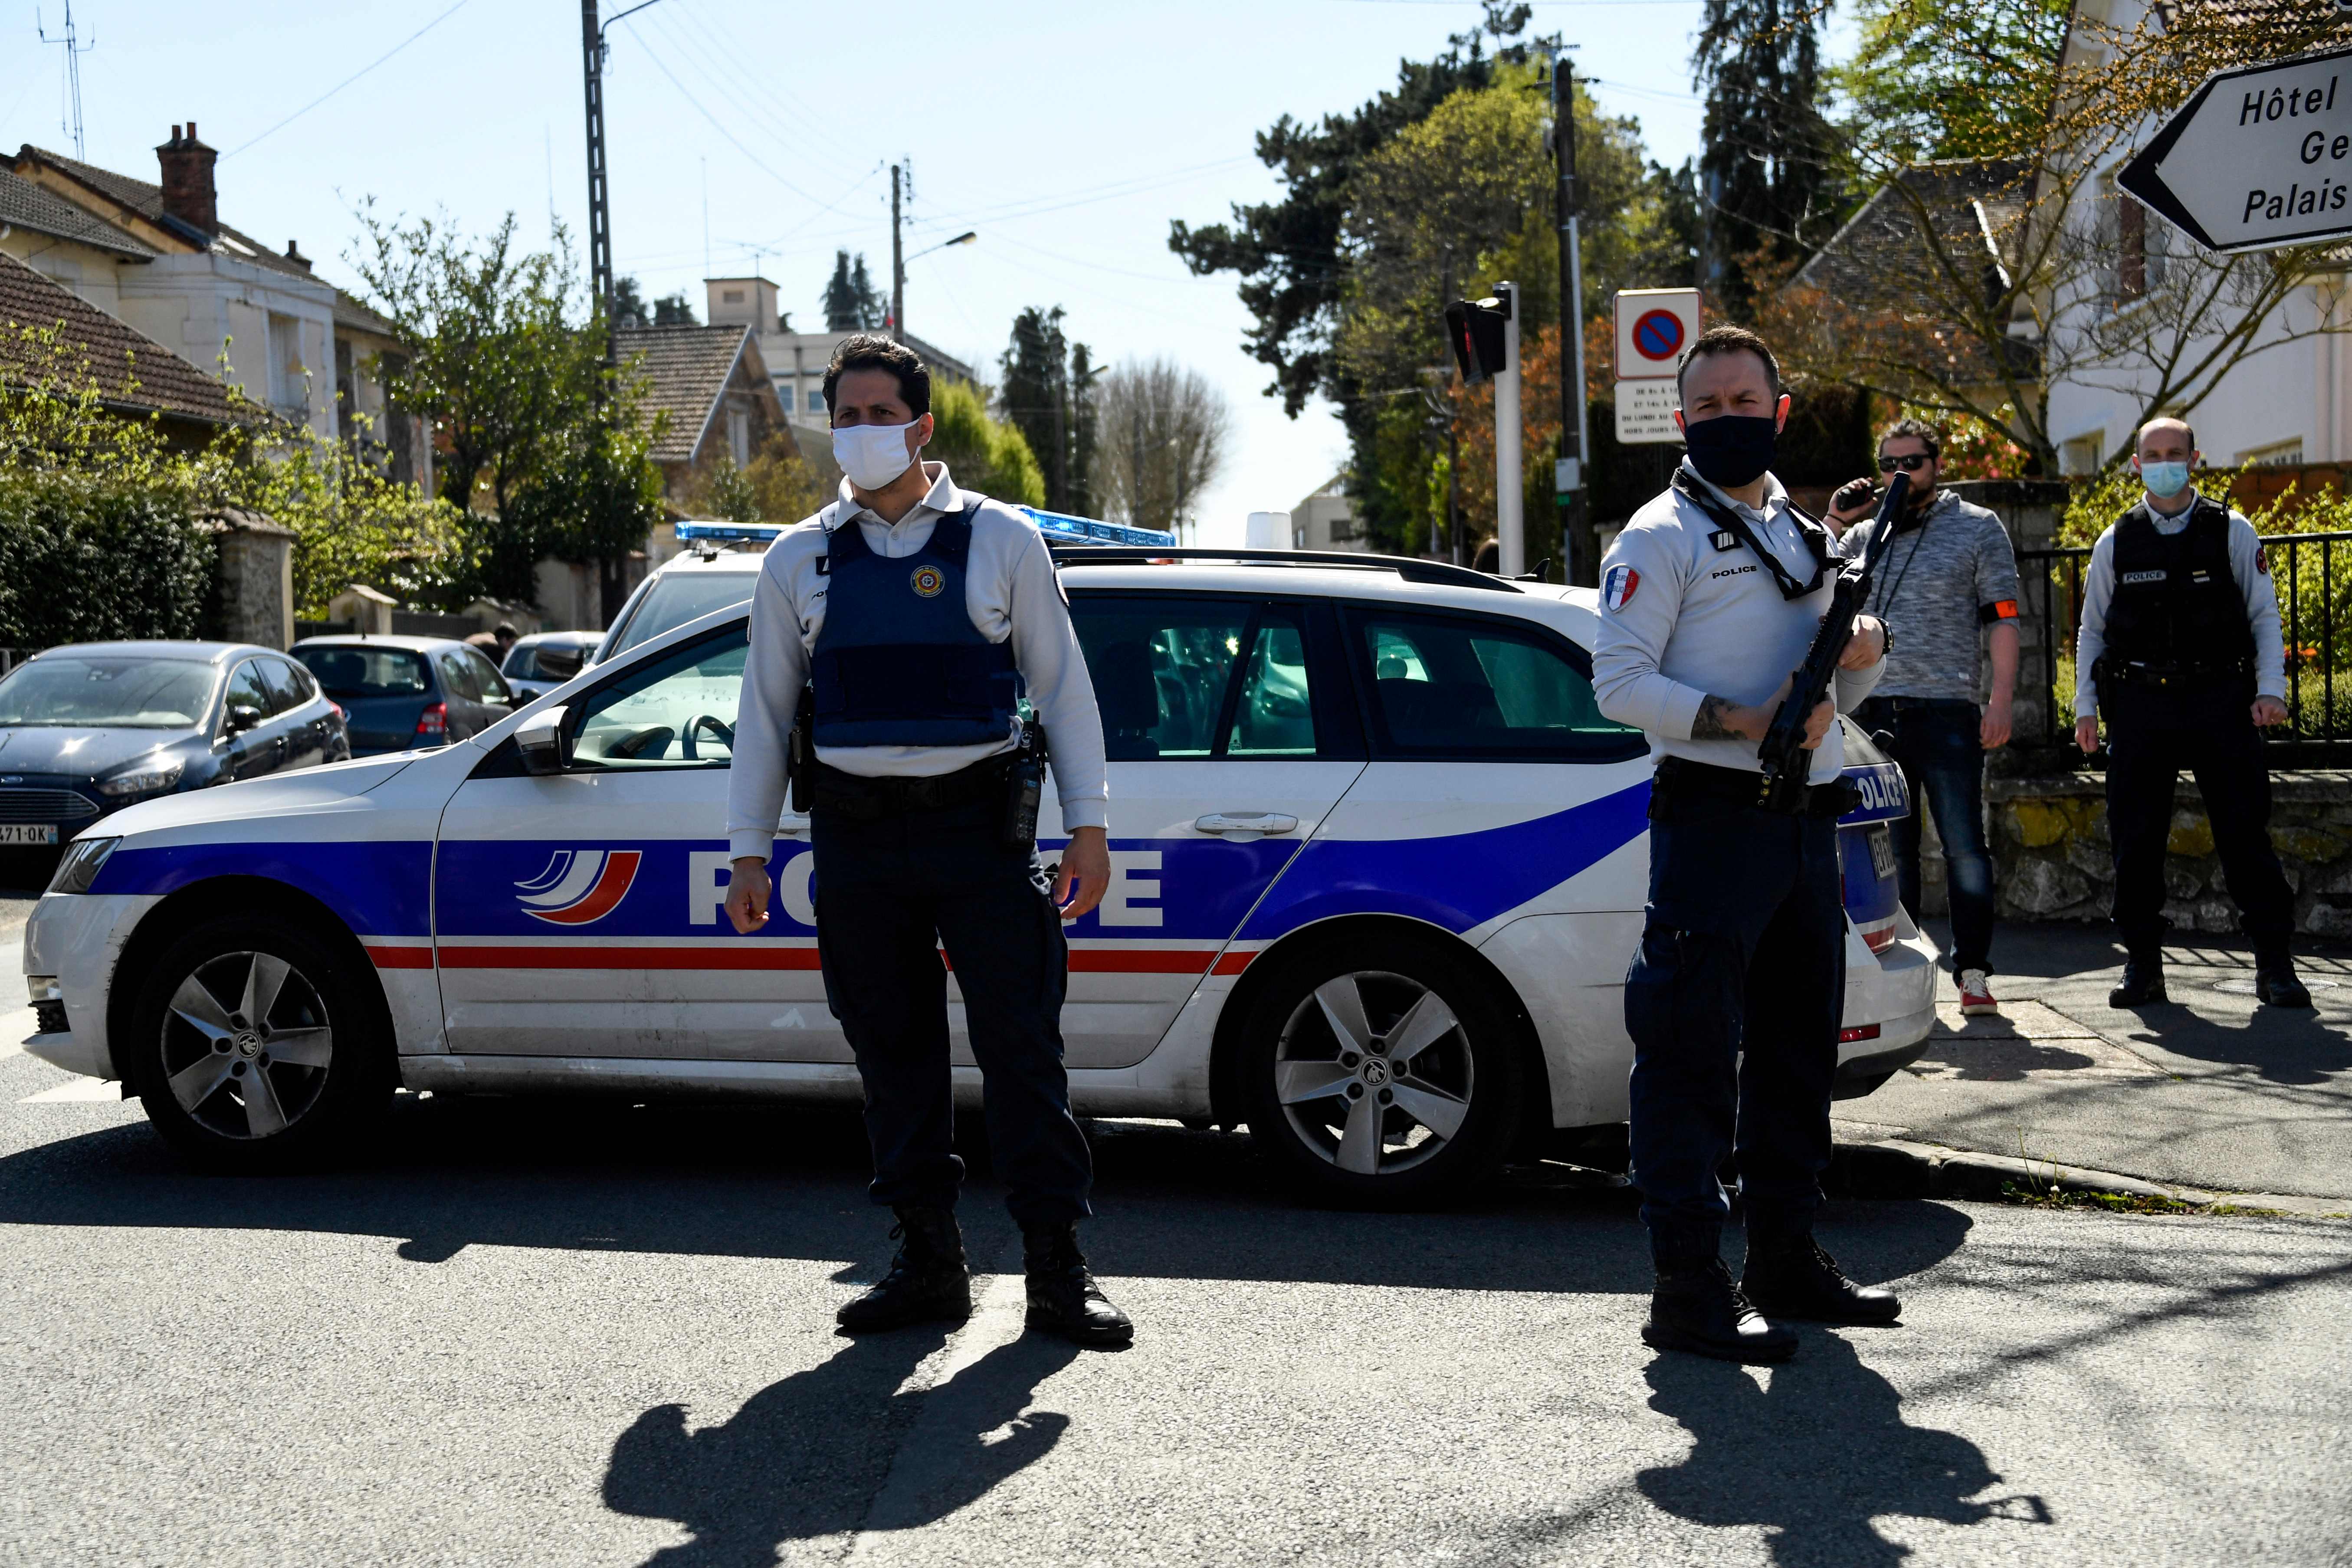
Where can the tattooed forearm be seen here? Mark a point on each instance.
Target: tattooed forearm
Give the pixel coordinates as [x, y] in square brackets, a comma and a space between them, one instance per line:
[1713, 721]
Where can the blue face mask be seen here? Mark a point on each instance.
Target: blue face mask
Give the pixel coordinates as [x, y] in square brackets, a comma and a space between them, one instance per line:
[2164, 480]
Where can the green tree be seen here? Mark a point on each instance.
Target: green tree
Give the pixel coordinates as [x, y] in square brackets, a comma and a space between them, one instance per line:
[1289, 253]
[508, 356]
[1048, 394]
[987, 455]
[850, 303]
[1769, 159]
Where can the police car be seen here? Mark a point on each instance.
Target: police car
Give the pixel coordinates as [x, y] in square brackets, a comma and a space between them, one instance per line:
[1379, 867]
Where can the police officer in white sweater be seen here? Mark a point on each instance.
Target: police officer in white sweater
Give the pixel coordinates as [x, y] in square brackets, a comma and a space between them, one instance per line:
[1709, 599]
[907, 621]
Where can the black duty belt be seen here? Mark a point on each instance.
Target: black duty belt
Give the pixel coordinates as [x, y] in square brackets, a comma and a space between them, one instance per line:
[872, 799]
[1680, 779]
[2171, 676]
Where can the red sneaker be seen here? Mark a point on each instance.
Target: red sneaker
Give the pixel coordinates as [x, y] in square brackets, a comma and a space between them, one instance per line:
[1976, 995]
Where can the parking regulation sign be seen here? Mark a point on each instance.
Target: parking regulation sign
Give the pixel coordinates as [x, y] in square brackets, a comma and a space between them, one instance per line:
[1653, 327]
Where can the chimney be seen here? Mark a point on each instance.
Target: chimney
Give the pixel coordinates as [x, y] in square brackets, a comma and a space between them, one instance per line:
[188, 180]
[294, 254]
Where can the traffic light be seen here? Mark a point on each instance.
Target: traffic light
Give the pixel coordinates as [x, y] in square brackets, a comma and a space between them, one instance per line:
[1474, 327]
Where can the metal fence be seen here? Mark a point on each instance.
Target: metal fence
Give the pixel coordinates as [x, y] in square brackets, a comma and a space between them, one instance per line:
[2312, 573]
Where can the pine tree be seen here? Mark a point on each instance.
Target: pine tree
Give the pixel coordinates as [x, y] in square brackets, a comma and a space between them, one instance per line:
[851, 305]
[1765, 170]
[1047, 393]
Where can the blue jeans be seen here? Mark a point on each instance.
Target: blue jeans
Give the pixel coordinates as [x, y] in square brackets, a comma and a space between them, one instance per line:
[888, 894]
[1733, 1002]
[1936, 746]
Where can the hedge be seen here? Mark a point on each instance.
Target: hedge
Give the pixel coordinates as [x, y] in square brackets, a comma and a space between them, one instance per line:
[87, 558]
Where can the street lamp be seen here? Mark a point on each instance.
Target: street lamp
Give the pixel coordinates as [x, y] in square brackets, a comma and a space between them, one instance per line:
[899, 280]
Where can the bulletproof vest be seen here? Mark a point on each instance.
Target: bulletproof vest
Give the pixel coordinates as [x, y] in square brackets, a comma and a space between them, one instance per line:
[2176, 605]
[897, 662]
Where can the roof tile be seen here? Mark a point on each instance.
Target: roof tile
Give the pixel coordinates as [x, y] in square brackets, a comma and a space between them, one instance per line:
[132, 371]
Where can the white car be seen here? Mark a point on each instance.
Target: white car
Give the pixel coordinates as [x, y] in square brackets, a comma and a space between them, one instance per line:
[1379, 866]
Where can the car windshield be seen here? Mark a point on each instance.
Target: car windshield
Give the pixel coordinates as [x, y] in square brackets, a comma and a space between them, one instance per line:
[122, 693]
[367, 671]
[678, 597]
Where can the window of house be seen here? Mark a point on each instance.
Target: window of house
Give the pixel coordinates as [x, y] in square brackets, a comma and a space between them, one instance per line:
[732, 296]
[2081, 455]
[287, 383]
[2277, 454]
[816, 400]
[739, 437]
[2131, 248]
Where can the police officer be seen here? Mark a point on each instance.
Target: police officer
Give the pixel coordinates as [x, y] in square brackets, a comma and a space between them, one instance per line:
[1709, 600]
[914, 615]
[2179, 650]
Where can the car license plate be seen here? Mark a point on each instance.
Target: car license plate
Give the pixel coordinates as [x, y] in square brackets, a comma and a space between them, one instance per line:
[28, 833]
[1882, 852]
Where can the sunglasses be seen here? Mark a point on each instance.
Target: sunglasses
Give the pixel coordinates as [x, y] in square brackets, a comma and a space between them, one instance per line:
[1911, 464]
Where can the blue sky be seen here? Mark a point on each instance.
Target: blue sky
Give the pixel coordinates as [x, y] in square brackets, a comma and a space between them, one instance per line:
[1068, 135]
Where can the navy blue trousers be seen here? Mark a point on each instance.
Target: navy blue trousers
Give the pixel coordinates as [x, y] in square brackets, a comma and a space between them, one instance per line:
[1743, 952]
[888, 894]
[1937, 745]
[2149, 741]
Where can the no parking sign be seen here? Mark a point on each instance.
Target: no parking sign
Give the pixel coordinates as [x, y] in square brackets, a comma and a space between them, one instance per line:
[1653, 327]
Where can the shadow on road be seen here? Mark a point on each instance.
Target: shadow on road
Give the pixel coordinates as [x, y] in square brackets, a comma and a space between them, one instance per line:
[1814, 1455]
[734, 1181]
[813, 1455]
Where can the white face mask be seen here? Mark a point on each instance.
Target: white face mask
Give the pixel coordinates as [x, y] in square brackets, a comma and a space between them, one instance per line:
[872, 455]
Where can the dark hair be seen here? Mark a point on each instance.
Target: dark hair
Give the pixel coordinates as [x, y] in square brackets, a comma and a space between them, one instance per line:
[1489, 555]
[1730, 340]
[870, 350]
[503, 629]
[1915, 430]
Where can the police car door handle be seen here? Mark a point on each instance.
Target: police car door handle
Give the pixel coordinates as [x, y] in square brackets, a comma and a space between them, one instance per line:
[1254, 823]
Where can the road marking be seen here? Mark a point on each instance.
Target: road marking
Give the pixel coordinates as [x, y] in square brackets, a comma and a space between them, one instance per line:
[75, 1091]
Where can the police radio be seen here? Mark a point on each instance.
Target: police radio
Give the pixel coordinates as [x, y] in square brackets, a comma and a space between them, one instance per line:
[1024, 786]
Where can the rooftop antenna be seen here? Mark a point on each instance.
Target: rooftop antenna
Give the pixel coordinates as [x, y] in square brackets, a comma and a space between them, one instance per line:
[74, 49]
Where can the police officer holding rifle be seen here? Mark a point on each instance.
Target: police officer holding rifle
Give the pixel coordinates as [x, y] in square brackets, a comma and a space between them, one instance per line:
[1728, 632]
[892, 637]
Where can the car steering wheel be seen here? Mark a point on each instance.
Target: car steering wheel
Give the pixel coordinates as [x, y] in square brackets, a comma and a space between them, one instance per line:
[719, 728]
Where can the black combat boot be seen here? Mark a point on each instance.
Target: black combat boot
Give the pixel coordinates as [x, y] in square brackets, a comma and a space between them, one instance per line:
[929, 1280]
[2274, 981]
[1695, 1307]
[1063, 1296]
[1795, 1276]
[2143, 981]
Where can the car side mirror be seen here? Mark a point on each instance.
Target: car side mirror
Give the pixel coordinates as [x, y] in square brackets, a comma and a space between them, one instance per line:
[544, 741]
[242, 716]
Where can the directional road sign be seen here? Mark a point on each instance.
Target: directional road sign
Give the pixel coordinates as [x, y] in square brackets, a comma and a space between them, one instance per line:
[1653, 327]
[2260, 157]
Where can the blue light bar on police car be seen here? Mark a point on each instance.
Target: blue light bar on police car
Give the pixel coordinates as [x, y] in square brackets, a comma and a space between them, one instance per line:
[687, 532]
[1062, 527]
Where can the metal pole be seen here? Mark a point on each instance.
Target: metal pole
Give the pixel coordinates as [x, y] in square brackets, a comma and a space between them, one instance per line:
[1510, 476]
[600, 211]
[1571, 487]
[897, 266]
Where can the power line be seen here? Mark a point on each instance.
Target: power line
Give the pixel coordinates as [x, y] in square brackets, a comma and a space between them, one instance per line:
[662, 66]
[355, 75]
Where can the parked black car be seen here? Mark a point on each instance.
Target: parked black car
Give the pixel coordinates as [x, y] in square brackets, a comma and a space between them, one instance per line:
[405, 694]
[91, 727]
[542, 661]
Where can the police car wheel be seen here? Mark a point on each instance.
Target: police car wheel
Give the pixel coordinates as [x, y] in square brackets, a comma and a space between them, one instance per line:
[1382, 1071]
[256, 1047]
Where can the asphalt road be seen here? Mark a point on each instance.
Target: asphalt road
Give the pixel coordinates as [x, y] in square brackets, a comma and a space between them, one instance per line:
[556, 1334]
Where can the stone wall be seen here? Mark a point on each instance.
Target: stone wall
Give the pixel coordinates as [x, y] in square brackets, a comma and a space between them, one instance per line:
[2054, 862]
[256, 579]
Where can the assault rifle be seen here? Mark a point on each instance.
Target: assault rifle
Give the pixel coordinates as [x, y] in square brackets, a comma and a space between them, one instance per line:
[1786, 762]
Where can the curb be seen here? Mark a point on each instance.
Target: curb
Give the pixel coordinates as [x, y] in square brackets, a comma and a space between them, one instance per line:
[1895, 1168]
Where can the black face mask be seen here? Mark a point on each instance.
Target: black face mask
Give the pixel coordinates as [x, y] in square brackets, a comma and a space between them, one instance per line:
[1731, 450]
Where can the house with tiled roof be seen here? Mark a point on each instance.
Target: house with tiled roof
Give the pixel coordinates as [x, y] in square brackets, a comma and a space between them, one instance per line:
[212, 294]
[714, 388]
[133, 374]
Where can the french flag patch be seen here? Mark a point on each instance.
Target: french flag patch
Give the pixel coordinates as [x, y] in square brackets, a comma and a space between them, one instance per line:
[1617, 586]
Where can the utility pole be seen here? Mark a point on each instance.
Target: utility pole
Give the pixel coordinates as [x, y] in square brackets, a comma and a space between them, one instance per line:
[600, 208]
[1510, 476]
[897, 266]
[74, 51]
[1569, 486]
